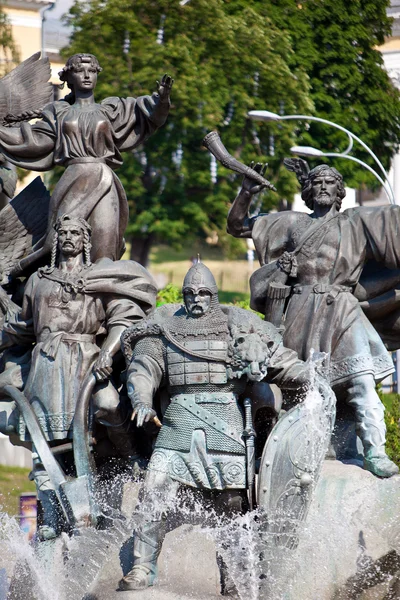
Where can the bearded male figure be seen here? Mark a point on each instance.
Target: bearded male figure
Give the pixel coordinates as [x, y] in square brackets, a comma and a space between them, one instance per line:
[204, 355]
[65, 307]
[321, 257]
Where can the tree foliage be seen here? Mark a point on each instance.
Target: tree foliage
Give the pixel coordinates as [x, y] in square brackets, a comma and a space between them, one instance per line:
[9, 54]
[392, 421]
[221, 62]
[228, 57]
[335, 42]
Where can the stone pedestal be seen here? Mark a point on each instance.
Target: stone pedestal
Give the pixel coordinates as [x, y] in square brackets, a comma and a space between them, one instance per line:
[187, 570]
[350, 547]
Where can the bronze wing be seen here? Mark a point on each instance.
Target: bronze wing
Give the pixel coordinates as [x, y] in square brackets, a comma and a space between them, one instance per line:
[23, 222]
[26, 89]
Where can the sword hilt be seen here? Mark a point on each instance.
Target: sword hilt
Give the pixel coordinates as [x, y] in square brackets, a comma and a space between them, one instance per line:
[249, 432]
[249, 435]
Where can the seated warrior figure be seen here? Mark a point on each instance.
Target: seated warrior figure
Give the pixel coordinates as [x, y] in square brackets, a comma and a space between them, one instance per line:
[204, 355]
[65, 307]
[321, 257]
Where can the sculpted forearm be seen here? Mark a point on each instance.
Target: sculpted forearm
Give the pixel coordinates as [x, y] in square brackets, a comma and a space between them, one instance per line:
[112, 343]
[238, 223]
[103, 365]
[162, 101]
[11, 135]
[144, 377]
[27, 140]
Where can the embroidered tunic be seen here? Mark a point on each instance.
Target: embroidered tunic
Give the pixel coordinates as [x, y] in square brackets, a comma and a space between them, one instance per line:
[64, 324]
[322, 313]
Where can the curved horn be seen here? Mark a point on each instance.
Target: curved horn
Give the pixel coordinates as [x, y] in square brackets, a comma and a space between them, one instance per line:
[213, 143]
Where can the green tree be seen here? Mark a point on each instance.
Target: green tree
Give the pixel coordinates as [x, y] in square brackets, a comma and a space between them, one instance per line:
[227, 57]
[392, 420]
[222, 62]
[335, 43]
[9, 54]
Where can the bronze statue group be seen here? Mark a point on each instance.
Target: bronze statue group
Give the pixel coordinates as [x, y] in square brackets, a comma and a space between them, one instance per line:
[80, 332]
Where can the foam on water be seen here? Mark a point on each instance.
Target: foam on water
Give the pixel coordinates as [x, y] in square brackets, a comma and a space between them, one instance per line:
[62, 569]
[260, 564]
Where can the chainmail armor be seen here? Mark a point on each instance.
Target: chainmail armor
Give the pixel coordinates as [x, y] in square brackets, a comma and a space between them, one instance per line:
[152, 346]
[180, 438]
[233, 385]
[201, 441]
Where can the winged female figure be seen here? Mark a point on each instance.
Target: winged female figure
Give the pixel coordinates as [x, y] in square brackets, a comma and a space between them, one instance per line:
[86, 138]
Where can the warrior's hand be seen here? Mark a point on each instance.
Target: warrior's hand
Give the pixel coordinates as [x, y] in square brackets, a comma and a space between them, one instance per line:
[249, 185]
[102, 368]
[143, 413]
[164, 87]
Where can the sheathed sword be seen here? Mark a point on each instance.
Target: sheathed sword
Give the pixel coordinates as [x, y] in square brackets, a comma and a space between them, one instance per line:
[249, 435]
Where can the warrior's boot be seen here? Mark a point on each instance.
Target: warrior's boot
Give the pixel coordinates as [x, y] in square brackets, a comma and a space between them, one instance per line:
[146, 550]
[228, 587]
[51, 527]
[373, 438]
[371, 428]
[52, 519]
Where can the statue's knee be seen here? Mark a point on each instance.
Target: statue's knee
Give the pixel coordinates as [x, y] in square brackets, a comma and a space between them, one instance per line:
[106, 403]
[360, 387]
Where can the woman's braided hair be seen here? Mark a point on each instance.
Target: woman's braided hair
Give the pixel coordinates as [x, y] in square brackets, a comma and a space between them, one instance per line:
[87, 232]
[75, 61]
[10, 118]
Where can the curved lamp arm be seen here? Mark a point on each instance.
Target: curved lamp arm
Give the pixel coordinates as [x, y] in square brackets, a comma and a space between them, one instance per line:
[310, 151]
[266, 115]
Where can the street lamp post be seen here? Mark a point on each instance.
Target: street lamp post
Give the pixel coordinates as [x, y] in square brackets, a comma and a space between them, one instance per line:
[265, 115]
[42, 13]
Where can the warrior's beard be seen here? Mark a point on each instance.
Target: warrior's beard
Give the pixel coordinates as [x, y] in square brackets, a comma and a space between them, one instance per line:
[324, 199]
[214, 311]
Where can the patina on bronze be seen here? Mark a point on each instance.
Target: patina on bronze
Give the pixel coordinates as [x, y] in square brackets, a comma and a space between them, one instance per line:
[321, 257]
[87, 139]
[66, 307]
[61, 323]
[204, 355]
[213, 143]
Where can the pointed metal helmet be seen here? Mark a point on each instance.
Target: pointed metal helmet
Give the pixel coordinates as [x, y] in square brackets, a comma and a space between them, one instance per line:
[199, 277]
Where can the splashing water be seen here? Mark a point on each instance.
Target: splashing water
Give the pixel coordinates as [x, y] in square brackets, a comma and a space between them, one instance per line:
[30, 570]
[267, 554]
[68, 568]
[259, 548]
[61, 569]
